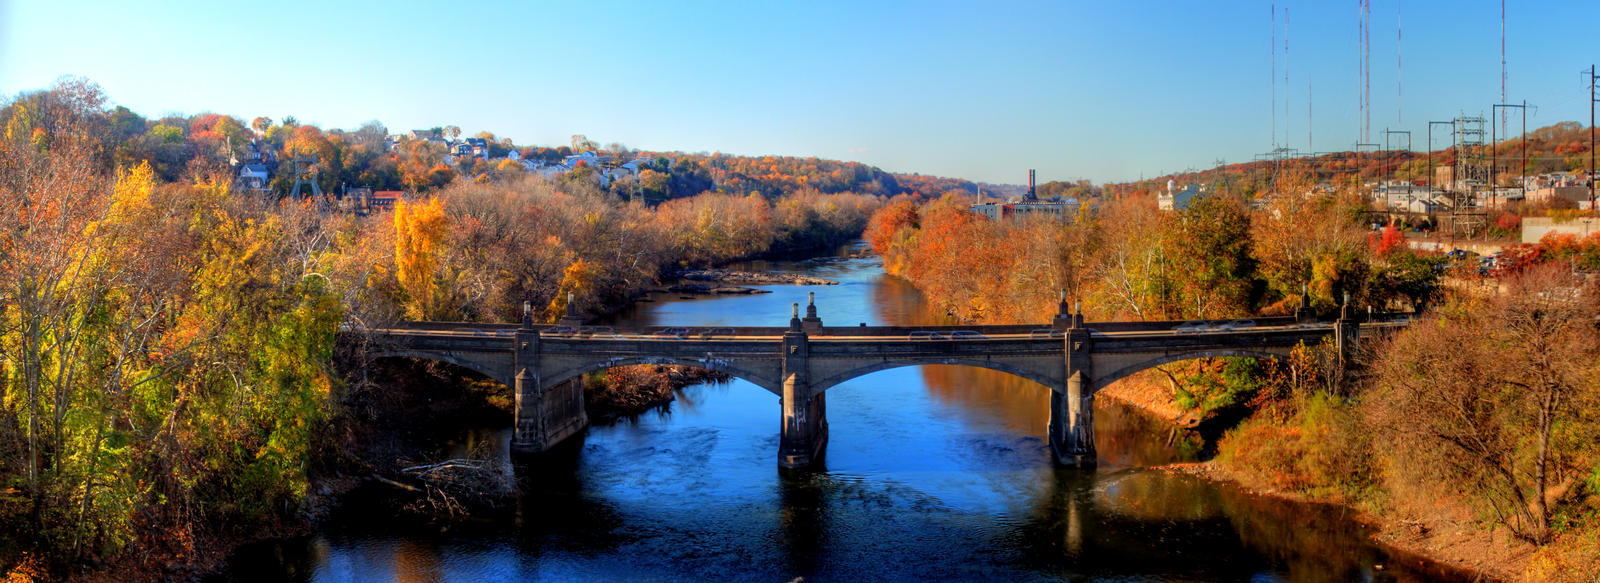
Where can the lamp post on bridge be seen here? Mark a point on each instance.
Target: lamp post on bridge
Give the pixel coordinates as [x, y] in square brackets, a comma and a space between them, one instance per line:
[1068, 317]
[811, 323]
[571, 317]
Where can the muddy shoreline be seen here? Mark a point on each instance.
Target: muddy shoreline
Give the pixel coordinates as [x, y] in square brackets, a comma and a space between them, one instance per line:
[1472, 553]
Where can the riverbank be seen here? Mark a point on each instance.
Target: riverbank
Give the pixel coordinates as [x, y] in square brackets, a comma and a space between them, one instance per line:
[1448, 539]
[1475, 552]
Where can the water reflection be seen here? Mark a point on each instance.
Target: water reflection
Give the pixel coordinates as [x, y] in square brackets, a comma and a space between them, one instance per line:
[938, 472]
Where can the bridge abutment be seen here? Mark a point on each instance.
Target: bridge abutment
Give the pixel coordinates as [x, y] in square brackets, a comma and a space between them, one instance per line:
[1072, 406]
[543, 416]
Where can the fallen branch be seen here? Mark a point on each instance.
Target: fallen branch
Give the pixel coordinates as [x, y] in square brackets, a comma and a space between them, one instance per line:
[400, 485]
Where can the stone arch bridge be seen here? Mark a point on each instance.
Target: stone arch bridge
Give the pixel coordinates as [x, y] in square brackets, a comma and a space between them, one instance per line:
[800, 362]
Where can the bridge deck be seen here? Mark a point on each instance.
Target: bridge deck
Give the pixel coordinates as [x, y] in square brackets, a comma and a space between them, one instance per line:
[731, 340]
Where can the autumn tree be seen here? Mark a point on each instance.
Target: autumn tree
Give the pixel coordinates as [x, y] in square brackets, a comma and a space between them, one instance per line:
[1496, 401]
[577, 281]
[1299, 228]
[1214, 269]
[419, 231]
[1133, 272]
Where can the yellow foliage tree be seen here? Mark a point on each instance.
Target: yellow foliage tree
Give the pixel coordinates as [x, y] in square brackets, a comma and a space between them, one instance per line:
[131, 195]
[418, 230]
[577, 280]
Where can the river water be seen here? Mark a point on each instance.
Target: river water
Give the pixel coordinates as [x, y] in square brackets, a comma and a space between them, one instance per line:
[936, 472]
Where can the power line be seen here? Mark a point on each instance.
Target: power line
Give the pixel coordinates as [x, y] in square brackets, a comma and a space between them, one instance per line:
[1592, 98]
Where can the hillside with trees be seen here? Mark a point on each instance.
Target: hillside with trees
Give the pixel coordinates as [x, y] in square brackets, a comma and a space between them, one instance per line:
[168, 377]
[1561, 147]
[417, 162]
[1480, 416]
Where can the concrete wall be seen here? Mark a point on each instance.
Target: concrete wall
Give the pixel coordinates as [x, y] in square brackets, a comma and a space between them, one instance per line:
[563, 410]
[1444, 245]
[1535, 228]
[1571, 193]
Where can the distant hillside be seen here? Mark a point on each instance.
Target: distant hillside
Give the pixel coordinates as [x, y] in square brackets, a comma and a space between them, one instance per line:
[1563, 147]
[179, 147]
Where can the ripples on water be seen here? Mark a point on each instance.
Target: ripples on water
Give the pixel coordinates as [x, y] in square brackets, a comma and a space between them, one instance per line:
[935, 472]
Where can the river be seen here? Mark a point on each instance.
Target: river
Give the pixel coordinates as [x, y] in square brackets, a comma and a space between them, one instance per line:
[935, 472]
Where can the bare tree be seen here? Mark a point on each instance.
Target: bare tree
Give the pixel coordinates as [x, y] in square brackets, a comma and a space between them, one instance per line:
[1497, 399]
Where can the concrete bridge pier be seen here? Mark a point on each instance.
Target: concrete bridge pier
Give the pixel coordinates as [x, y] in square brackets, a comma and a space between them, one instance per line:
[1072, 406]
[804, 434]
[1347, 335]
[543, 416]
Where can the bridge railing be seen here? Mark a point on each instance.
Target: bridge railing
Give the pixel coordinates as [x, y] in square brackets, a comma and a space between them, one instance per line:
[882, 331]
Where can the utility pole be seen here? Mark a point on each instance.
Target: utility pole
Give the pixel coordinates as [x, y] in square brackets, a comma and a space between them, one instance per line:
[1494, 156]
[1592, 97]
[1389, 151]
[1430, 163]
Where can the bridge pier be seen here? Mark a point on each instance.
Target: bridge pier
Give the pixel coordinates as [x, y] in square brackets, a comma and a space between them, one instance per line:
[1072, 407]
[1347, 335]
[803, 437]
[543, 416]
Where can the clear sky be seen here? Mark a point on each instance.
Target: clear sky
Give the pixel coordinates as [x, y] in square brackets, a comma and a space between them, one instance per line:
[1102, 90]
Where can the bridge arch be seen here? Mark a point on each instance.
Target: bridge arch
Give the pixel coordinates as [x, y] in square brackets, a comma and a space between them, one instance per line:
[1101, 381]
[1052, 382]
[772, 385]
[486, 369]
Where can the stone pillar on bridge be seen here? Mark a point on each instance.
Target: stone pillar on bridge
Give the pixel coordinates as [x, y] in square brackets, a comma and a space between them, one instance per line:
[571, 318]
[528, 423]
[1072, 406]
[811, 323]
[804, 434]
[1068, 316]
[1303, 314]
[545, 414]
[1347, 334]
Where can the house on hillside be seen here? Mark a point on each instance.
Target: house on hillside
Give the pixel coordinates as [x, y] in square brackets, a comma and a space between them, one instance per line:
[384, 200]
[253, 177]
[636, 165]
[479, 147]
[550, 170]
[588, 157]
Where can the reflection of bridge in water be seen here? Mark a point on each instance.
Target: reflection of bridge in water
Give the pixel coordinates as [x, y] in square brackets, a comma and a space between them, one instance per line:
[799, 363]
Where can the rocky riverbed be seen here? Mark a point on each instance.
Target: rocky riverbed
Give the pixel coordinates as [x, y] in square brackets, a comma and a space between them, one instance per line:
[725, 277]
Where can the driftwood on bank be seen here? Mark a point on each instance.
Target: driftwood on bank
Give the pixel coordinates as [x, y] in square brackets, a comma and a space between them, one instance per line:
[452, 487]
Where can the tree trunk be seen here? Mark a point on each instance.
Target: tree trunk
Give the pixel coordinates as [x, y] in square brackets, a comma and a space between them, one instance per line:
[1541, 478]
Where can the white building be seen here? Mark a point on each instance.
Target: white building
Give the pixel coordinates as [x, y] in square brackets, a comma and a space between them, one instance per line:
[1177, 200]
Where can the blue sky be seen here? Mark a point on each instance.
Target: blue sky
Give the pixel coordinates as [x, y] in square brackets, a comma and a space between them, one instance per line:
[1100, 90]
